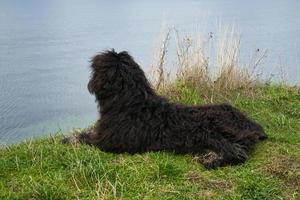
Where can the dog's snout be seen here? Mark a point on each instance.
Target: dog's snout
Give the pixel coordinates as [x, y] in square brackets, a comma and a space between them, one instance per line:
[90, 87]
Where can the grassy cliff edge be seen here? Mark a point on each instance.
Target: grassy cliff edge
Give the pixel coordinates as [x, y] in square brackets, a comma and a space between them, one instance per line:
[47, 169]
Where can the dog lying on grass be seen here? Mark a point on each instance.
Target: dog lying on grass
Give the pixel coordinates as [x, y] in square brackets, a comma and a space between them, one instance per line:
[134, 119]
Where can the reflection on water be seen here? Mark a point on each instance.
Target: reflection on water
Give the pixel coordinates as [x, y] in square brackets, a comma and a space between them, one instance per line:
[45, 47]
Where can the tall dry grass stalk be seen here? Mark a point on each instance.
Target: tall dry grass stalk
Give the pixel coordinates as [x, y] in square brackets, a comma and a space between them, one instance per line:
[192, 63]
[158, 75]
[194, 67]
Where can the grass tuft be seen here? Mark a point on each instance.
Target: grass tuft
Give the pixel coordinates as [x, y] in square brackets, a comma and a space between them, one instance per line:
[214, 72]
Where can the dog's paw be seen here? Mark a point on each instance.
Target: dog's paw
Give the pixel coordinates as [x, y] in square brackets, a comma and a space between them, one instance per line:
[241, 152]
[213, 164]
[212, 160]
[70, 140]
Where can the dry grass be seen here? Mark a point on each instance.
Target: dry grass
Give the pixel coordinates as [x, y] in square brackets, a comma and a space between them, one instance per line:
[158, 76]
[285, 168]
[216, 73]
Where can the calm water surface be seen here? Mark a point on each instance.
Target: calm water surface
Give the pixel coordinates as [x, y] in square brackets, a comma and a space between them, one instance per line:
[45, 47]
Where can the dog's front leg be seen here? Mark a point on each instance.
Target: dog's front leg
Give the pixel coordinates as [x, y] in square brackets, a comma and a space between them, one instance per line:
[86, 137]
[224, 153]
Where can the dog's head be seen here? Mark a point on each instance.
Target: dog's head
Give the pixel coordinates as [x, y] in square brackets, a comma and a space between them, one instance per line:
[114, 72]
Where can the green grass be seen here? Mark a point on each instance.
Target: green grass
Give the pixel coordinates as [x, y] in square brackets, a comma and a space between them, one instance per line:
[47, 169]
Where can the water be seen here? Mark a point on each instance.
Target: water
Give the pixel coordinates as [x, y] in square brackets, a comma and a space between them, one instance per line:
[45, 47]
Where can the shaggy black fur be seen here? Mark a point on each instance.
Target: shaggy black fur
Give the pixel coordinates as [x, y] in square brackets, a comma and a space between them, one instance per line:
[135, 119]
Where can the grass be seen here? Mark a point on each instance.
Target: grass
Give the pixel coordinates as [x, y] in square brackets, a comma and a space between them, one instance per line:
[209, 63]
[47, 169]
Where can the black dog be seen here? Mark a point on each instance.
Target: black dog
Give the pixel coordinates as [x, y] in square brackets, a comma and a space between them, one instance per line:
[135, 119]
